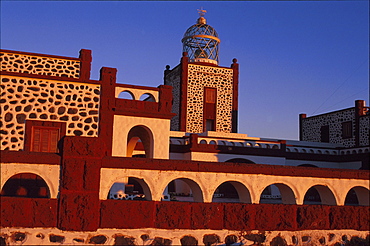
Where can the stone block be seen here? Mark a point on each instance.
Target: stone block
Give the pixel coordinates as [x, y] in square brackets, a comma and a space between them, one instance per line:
[171, 215]
[207, 216]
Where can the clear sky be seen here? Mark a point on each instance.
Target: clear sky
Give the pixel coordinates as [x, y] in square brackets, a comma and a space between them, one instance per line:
[295, 57]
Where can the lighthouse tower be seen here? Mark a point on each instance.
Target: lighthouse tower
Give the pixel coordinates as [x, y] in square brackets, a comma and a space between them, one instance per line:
[205, 95]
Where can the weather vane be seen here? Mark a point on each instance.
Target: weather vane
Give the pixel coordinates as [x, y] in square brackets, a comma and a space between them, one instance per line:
[202, 12]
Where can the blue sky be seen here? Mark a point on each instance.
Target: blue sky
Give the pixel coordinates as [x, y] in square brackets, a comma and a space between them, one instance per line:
[295, 57]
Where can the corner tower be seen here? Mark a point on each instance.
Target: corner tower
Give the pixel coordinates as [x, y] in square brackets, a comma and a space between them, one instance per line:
[205, 95]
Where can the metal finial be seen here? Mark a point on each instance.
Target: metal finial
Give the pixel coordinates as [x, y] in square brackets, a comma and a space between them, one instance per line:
[202, 12]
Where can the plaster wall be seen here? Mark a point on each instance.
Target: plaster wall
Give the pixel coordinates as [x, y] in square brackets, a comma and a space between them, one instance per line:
[50, 173]
[205, 183]
[202, 156]
[158, 127]
[137, 93]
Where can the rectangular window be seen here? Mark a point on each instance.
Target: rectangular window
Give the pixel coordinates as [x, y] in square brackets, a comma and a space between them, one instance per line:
[325, 134]
[347, 130]
[45, 139]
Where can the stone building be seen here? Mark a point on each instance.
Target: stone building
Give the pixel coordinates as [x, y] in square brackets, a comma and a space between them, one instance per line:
[99, 162]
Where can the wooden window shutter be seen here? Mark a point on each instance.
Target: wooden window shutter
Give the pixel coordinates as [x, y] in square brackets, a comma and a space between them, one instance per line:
[45, 139]
[210, 96]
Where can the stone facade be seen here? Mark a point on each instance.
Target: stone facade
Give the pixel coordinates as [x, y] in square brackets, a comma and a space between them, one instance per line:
[173, 79]
[215, 77]
[364, 125]
[41, 65]
[311, 127]
[24, 99]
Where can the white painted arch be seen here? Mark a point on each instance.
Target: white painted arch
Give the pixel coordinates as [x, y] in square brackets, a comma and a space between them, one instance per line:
[157, 181]
[49, 173]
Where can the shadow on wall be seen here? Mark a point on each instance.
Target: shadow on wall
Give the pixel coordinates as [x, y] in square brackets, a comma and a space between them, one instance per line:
[26, 185]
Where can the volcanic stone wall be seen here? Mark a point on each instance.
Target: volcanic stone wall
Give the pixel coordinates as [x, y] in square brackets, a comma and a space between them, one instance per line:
[364, 130]
[41, 65]
[24, 99]
[311, 126]
[195, 223]
[173, 79]
[214, 77]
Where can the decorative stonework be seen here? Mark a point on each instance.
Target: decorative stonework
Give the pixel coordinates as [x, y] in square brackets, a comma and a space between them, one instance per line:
[38, 99]
[22, 63]
[364, 130]
[208, 76]
[311, 127]
[173, 79]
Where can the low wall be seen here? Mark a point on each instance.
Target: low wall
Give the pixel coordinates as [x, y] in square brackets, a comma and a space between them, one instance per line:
[38, 212]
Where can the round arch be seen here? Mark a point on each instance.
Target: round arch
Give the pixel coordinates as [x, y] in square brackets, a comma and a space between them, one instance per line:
[240, 160]
[323, 192]
[361, 193]
[307, 165]
[147, 97]
[286, 193]
[126, 95]
[242, 191]
[143, 134]
[130, 187]
[196, 191]
[26, 185]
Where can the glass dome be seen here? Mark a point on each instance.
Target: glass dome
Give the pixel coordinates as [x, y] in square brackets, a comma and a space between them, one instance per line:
[201, 42]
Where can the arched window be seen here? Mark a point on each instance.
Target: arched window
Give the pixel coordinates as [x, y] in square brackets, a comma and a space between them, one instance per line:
[278, 193]
[126, 95]
[231, 191]
[183, 190]
[26, 185]
[140, 138]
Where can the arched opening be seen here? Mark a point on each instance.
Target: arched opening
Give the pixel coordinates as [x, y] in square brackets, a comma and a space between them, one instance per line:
[183, 190]
[26, 185]
[319, 194]
[231, 191]
[357, 196]
[278, 193]
[147, 97]
[307, 165]
[140, 142]
[240, 160]
[134, 189]
[126, 95]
